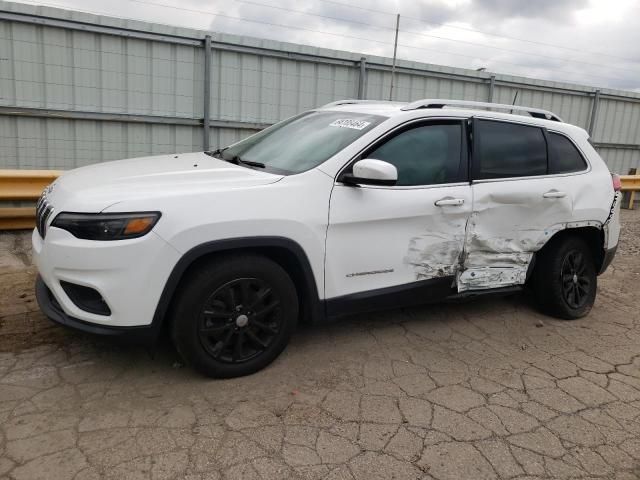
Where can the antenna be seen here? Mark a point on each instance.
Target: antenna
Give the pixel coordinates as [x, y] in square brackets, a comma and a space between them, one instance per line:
[515, 97]
[395, 50]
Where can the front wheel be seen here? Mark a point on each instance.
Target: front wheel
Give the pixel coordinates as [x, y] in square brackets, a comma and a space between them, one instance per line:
[565, 279]
[234, 315]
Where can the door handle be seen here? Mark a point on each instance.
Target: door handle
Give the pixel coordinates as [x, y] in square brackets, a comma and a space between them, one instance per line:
[448, 201]
[554, 194]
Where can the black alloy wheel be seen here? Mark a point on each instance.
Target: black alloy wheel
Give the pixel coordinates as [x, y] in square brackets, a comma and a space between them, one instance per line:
[234, 314]
[240, 320]
[565, 277]
[576, 284]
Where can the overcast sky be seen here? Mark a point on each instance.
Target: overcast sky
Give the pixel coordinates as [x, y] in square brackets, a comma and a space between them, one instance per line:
[592, 42]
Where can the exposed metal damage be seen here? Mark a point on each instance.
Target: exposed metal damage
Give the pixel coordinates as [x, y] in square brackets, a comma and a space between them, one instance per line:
[494, 270]
[433, 256]
[501, 262]
[507, 226]
[436, 253]
[496, 250]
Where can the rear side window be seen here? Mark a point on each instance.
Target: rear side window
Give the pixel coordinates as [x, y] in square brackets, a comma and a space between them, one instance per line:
[425, 155]
[564, 157]
[508, 150]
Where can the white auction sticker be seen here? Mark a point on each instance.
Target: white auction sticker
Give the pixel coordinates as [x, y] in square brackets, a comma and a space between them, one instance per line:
[350, 123]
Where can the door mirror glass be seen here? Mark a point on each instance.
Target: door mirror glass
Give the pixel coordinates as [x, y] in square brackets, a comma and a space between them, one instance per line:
[371, 172]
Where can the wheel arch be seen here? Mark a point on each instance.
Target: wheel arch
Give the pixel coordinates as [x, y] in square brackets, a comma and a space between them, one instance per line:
[284, 251]
[591, 232]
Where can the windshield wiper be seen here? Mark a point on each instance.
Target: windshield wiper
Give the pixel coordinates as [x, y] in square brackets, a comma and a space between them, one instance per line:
[239, 161]
[236, 160]
[216, 153]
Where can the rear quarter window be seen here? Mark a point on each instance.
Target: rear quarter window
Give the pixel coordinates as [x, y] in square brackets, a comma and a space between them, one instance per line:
[564, 157]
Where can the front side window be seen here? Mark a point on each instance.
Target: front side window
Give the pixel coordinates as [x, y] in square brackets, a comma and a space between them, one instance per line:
[508, 150]
[424, 155]
[301, 143]
[564, 157]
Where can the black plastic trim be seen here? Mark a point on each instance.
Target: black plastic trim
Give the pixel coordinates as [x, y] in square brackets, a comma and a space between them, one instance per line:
[316, 311]
[545, 134]
[416, 293]
[81, 295]
[609, 255]
[50, 307]
[350, 179]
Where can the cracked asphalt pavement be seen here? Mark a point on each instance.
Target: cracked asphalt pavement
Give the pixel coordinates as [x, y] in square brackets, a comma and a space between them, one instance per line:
[484, 389]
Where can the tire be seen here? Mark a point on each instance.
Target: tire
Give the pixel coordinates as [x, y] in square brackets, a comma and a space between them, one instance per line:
[234, 315]
[565, 279]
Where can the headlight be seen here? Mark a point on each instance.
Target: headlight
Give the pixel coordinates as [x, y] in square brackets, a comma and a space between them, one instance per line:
[106, 226]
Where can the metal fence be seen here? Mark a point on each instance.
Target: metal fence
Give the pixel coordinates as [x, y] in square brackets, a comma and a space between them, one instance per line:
[77, 89]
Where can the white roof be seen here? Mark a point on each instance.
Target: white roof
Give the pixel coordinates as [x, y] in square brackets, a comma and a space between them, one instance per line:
[455, 108]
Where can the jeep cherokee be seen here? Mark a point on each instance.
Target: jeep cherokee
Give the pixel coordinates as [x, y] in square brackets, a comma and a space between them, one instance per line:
[352, 207]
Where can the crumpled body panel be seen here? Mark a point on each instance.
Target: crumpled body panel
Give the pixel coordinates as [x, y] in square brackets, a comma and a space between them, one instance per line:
[511, 220]
[435, 254]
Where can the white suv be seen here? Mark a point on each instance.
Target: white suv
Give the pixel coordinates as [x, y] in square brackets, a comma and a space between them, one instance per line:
[352, 207]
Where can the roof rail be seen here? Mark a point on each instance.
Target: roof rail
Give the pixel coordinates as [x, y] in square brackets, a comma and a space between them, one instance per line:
[354, 102]
[439, 103]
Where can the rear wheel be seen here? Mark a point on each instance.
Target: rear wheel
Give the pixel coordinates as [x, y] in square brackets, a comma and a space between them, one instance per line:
[234, 315]
[565, 279]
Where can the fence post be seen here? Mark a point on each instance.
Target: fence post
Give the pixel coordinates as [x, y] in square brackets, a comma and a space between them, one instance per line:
[594, 113]
[362, 78]
[207, 93]
[492, 86]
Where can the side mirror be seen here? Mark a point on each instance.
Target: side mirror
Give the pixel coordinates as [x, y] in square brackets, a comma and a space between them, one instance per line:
[371, 172]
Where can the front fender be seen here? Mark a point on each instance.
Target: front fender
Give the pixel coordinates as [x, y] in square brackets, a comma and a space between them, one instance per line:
[315, 305]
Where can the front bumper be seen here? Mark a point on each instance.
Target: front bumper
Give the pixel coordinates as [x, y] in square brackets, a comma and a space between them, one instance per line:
[51, 308]
[129, 275]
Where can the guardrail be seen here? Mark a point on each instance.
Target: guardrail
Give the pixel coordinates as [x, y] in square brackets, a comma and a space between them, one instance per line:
[631, 184]
[28, 185]
[22, 185]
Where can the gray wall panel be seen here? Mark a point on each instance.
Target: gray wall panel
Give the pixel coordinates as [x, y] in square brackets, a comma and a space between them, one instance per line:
[620, 160]
[114, 66]
[40, 143]
[618, 122]
[68, 70]
[572, 108]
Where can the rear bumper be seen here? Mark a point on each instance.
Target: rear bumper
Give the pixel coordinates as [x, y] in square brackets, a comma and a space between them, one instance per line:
[50, 307]
[611, 229]
[609, 255]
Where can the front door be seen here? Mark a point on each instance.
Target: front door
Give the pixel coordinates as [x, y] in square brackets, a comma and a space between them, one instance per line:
[382, 242]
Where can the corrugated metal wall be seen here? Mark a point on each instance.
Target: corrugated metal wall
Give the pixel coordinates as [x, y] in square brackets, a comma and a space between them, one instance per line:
[255, 88]
[77, 89]
[48, 143]
[409, 87]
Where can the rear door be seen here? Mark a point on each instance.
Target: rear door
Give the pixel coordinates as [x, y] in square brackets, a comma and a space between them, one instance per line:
[384, 242]
[517, 203]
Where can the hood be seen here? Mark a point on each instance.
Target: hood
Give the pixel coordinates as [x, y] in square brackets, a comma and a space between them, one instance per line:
[94, 188]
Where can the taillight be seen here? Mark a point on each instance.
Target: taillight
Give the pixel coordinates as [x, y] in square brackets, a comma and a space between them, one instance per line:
[617, 183]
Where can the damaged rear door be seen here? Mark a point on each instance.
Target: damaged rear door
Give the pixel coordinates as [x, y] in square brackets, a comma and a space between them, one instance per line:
[517, 205]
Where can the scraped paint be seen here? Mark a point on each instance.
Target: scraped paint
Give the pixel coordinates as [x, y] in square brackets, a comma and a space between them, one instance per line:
[435, 252]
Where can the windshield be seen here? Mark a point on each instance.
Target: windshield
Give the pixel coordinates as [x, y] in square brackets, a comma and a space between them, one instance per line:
[302, 142]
